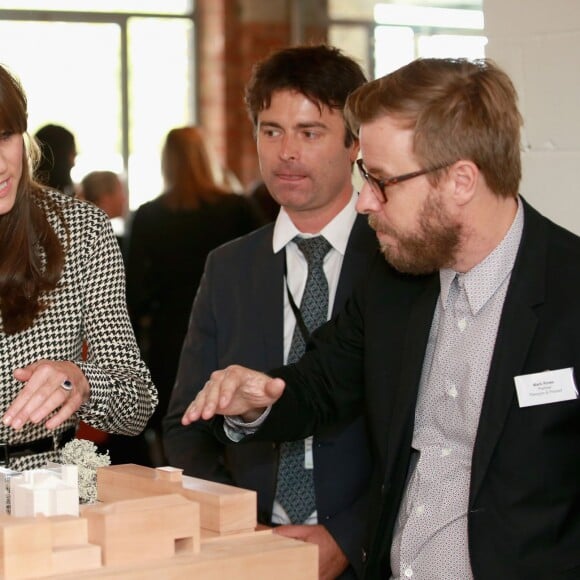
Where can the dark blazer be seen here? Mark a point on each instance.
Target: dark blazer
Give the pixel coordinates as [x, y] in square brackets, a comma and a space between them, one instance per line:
[237, 318]
[524, 501]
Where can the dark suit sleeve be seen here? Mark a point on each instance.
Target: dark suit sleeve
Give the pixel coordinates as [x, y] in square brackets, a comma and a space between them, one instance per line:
[194, 448]
[348, 528]
[325, 386]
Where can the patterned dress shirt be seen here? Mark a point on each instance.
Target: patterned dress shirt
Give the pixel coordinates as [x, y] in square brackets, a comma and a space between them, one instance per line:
[430, 539]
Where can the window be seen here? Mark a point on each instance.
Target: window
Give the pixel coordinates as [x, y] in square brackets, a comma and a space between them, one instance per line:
[118, 80]
[395, 33]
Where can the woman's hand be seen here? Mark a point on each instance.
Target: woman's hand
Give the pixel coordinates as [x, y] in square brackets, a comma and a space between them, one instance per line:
[48, 386]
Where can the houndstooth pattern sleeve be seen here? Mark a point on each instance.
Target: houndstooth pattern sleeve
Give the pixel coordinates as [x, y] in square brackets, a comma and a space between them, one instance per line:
[89, 305]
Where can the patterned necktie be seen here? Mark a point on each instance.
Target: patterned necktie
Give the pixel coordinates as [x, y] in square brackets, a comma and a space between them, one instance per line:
[295, 490]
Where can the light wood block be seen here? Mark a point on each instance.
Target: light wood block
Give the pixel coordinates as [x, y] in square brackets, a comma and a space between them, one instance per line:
[36, 547]
[209, 536]
[75, 558]
[71, 550]
[25, 547]
[224, 509]
[261, 557]
[69, 531]
[144, 529]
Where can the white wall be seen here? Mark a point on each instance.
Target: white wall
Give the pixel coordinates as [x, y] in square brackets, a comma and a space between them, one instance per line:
[537, 42]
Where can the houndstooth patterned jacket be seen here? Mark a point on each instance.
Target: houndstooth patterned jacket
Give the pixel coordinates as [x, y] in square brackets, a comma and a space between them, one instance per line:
[88, 305]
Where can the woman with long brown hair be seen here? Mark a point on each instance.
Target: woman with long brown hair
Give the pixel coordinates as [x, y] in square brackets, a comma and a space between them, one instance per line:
[61, 284]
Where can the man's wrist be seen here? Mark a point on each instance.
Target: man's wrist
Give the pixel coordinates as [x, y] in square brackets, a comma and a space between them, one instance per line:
[236, 427]
[253, 415]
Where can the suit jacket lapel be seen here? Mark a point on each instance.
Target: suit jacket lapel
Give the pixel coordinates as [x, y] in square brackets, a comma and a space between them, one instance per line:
[405, 398]
[515, 333]
[269, 287]
[357, 258]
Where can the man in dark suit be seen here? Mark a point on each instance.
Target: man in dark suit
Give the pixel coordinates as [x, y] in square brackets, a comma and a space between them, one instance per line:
[243, 311]
[467, 375]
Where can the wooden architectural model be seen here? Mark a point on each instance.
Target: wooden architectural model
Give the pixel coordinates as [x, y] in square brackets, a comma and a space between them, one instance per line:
[224, 509]
[37, 547]
[151, 524]
[126, 535]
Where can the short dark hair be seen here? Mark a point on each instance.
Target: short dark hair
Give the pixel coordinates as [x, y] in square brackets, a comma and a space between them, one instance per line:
[322, 73]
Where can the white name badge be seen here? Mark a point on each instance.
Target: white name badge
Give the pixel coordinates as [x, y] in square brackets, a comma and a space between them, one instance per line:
[546, 387]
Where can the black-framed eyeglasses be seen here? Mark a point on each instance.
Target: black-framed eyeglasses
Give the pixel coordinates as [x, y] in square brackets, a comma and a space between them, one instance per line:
[379, 185]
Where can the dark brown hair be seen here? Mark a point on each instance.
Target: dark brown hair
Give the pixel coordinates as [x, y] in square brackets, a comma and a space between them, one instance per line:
[458, 110]
[321, 73]
[31, 254]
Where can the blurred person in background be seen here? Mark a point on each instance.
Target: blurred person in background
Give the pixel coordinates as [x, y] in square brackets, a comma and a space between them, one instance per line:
[59, 151]
[168, 242]
[106, 190]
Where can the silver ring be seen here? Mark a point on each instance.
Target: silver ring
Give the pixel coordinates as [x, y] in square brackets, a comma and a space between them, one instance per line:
[67, 385]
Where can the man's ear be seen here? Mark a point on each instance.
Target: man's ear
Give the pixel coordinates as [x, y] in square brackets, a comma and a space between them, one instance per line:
[354, 150]
[465, 175]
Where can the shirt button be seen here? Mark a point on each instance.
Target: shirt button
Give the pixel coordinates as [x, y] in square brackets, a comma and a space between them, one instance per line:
[452, 392]
[408, 573]
[462, 324]
[445, 452]
[420, 510]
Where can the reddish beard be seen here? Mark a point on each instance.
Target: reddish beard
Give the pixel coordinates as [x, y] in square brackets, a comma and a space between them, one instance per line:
[433, 247]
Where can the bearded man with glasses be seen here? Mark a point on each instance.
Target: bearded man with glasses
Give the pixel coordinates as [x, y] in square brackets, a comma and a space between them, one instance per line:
[463, 346]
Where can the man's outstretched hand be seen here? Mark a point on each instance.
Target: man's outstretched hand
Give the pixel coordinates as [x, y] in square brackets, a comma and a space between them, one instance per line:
[234, 390]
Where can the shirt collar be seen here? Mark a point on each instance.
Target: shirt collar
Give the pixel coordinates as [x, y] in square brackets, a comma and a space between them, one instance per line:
[483, 280]
[336, 232]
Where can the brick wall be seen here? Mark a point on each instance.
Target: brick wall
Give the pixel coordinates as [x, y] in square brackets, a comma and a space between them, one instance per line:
[232, 36]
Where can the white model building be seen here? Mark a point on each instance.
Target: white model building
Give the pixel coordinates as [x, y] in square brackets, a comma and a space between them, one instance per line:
[5, 476]
[53, 491]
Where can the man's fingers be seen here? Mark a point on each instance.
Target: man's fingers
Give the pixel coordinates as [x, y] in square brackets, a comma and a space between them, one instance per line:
[274, 389]
[233, 391]
[196, 408]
